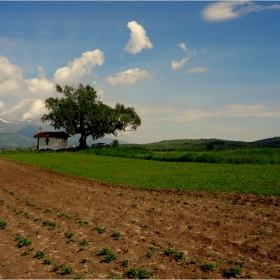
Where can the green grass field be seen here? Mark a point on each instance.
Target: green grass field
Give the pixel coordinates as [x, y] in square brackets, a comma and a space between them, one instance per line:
[236, 156]
[240, 178]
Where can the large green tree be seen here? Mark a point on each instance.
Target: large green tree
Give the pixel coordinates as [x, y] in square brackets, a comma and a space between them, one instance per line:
[80, 111]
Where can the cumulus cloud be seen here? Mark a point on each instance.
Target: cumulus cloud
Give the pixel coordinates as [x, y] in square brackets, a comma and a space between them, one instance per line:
[28, 108]
[40, 85]
[10, 77]
[220, 11]
[128, 77]
[197, 70]
[34, 90]
[138, 38]
[80, 67]
[179, 64]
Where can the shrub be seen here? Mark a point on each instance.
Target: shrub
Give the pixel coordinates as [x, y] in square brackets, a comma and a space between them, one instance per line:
[115, 143]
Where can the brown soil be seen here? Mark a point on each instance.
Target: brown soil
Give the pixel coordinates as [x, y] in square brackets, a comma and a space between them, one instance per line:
[226, 229]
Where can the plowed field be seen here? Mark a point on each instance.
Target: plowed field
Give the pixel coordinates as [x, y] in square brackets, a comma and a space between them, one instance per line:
[213, 235]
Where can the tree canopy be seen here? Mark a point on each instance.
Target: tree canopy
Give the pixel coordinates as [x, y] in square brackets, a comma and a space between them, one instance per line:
[81, 112]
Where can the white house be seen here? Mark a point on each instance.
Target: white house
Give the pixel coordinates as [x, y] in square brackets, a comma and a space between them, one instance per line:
[52, 140]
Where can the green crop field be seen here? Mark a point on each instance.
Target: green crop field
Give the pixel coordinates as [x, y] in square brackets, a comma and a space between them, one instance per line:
[241, 178]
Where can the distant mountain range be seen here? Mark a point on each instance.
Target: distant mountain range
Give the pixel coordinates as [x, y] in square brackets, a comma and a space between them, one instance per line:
[210, 144]
[20, 134]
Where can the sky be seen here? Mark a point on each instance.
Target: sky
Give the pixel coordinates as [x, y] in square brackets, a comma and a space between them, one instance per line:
[191, 69]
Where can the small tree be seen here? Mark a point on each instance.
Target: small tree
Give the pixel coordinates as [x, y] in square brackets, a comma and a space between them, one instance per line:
[115, 143]
[81, 112]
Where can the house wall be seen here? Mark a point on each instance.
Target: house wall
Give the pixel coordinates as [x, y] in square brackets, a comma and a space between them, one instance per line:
[54, 143]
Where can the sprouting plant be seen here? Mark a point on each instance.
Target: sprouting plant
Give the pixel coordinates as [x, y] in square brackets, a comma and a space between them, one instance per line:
[26, 215]
[81, 249]
[3, 224]
[29, 203]
[85, 260]
[125, 263]
[24, 242]
[18, 236]
[67, 270]
[89, 271]
[51, 225]
[149, 254]
[39, 255]
[233, 272]
[37, 219]
[60, 215]
[84, 242]
[79, 276]
[11, 193]
[179, 256]
[116, 235]
[145, 226]
[83, 222]
[209, 266]
[27, 252]
[47, 261]
[169, 251]
[108, 255]
[69, 234]
[137, 273]
[48, 211]
[56, 267]
[100, 229]
[242, 263]
[69, 216]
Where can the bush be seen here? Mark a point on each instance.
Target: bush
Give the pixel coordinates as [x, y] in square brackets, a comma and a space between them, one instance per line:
[115, 143]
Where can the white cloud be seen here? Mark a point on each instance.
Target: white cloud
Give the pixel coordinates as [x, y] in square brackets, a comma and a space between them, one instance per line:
[75, 71]
[10, 77]
[28, 108]
[40, 85]
[238, 110]
[197, 70]
[138, 39]
[179, 64]
[183, 47]
[128, 77]
[220, 11]
[36, 110]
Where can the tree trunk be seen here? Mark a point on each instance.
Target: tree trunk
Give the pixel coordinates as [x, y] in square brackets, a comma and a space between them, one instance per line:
[83, 141]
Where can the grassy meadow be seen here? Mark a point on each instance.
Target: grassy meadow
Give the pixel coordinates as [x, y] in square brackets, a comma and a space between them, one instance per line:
[130, 165]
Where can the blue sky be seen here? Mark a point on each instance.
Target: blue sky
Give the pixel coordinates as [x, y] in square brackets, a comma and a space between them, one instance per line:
[190, 69]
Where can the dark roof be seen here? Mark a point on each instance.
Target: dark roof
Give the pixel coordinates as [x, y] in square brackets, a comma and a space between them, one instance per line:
[56, 134]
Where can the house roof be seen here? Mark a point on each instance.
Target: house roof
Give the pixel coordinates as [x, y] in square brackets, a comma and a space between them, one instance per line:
[56, 134]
